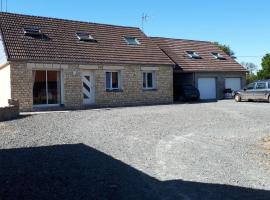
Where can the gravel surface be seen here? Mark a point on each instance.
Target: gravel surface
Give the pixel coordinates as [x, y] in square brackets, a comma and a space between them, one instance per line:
[184, 151]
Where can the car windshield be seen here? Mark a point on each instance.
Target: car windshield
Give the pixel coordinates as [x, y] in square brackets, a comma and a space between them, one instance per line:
[250, 86]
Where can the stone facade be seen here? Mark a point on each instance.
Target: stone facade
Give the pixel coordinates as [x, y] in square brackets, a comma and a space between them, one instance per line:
[21, 85]
[131, 93]
[9, 112]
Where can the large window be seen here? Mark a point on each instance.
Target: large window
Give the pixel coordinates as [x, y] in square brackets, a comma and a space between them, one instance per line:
[149, 80]
[46, 87]
[112, 80]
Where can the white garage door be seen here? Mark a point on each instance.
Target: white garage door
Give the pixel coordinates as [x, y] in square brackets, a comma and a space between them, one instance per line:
[207, 88]
[233, 83]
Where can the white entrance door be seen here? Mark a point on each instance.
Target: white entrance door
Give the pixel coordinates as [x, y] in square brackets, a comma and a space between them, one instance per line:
[233, 83]
[88, 87]
[207, 88]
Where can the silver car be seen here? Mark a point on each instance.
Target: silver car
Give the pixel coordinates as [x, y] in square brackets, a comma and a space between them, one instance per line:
[258, 91]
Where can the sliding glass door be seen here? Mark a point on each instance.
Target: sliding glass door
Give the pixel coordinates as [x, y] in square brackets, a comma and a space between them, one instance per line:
[46, 87]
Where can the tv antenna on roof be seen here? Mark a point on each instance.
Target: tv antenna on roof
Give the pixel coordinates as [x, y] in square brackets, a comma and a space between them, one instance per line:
[145, 18]
[2, 6]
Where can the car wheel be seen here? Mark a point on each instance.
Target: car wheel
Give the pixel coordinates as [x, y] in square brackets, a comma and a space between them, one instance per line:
[237, 98]
[269, 99]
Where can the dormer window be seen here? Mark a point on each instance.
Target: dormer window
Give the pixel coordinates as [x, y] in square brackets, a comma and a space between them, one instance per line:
[86, 37]
[193, 54]
[132, 41]
[218, 56]
[32, 31]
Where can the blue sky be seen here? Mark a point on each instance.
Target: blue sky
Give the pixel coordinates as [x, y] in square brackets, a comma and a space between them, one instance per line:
[243, 25]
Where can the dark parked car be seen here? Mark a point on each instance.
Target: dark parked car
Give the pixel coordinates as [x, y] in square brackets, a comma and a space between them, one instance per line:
[186, 93]
[258, 91]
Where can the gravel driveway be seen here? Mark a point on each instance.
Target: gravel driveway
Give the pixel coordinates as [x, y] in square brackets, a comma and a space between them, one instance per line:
[183, 151]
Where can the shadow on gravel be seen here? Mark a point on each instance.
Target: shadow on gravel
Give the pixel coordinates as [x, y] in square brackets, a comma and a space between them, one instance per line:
[196, 102]
[16, 118]
[81, 172]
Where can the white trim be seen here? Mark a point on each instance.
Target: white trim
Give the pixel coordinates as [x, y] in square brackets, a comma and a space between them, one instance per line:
[154, 85]
[4, 65]
[135, 39]
[61, 89]
[113, 68]
[91, 85]
[119, 77]
[45, 105]
[88, 67]
[149, 68]
[46, 66]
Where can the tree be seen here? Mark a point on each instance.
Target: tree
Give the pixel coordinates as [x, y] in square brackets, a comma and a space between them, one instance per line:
[264, 73]
[252, 69]
[227, 49]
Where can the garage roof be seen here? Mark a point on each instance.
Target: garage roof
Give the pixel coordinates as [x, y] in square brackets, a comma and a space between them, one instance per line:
[34, 38]
[177, 50]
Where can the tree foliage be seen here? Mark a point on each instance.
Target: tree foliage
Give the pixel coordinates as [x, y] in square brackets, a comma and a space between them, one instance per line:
[264, 73]
[227, 49]
[252, 69]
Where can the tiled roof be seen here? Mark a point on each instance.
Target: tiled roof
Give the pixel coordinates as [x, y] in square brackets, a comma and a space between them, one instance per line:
[62, 45]
[176, 50]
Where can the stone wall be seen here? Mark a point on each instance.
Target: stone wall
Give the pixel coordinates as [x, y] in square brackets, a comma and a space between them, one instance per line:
[21, 85]
[9, 112]
[132, 92]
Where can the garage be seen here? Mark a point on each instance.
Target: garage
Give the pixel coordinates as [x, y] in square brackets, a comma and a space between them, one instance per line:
[207, 88]
[233, 83]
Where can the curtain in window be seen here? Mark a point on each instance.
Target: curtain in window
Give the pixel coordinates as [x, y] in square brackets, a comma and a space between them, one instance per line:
[33, 79]
[108, 80]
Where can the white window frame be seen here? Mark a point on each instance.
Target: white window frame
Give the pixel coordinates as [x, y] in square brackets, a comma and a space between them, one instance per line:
[135, 39]
[119, 76]
[146, 80]
[61, 89]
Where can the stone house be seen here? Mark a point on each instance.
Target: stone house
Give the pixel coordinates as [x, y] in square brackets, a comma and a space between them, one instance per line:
[204, 65]
[48, 63]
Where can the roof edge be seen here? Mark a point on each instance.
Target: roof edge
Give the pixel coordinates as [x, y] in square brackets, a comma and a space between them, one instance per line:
[68, 20]
[3, 40]
[168, 38]
[84, 63]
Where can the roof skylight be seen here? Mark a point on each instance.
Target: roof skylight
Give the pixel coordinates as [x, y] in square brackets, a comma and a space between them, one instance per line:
[85, 37]
[193, 54]
[132, 41]
[32, 31]
[218, 56]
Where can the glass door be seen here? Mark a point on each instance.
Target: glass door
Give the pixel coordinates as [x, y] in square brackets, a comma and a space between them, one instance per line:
[46, 87]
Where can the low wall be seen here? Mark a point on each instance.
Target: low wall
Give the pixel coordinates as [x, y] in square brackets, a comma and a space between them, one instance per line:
[9, 112]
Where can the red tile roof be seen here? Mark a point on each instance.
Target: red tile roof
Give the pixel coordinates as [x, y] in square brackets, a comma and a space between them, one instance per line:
[62, 45]
[176, 50]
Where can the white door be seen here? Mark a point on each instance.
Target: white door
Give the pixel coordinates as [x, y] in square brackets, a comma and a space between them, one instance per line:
[233, 83]
[207, 88]
[88, 87]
